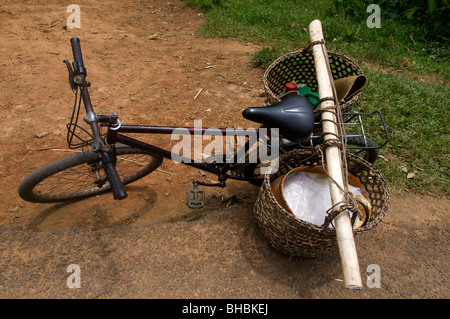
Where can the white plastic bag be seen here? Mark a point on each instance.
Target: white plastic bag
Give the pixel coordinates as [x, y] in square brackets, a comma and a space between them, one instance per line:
[308, 195]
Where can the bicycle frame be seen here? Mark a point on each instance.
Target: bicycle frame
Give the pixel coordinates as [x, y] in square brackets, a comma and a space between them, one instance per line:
[115, 128]
[143, 129]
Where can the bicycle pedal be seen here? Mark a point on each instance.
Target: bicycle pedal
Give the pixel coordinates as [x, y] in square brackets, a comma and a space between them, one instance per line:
[195, 197]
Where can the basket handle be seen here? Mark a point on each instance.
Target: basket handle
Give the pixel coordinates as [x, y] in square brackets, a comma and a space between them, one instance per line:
[344, 229]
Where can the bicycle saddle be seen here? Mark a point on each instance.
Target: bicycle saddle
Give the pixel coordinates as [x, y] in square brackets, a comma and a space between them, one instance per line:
[293, 116]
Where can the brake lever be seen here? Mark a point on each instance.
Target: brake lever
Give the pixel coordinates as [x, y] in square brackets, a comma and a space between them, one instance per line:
[71, 76]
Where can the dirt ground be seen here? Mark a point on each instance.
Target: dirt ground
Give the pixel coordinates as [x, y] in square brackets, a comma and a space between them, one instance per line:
[146, 61]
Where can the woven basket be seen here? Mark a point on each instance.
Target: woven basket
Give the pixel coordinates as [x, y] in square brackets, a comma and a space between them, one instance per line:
[294, 237]
[299, 67]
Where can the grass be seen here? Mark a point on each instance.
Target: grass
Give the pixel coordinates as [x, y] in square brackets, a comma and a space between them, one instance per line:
[417, 117]
[282, 25]
[417, 113]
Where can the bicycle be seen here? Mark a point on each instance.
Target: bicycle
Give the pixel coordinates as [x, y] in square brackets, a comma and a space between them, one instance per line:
[115, 159]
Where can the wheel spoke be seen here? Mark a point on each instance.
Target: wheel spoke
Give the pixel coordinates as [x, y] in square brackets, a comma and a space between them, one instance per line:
[75, 176]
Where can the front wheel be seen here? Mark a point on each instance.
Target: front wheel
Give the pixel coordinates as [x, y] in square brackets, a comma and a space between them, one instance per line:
[82, 175]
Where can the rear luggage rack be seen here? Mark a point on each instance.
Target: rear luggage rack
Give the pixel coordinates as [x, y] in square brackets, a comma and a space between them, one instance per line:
[357, 125]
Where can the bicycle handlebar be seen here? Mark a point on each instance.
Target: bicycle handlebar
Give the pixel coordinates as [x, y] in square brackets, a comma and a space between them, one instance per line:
[115, 183]
[77, 56]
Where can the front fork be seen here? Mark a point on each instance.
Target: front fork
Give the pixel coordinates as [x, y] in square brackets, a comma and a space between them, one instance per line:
[107, 148]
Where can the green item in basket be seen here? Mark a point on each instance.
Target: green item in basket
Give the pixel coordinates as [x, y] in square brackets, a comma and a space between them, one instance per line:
[306, 91]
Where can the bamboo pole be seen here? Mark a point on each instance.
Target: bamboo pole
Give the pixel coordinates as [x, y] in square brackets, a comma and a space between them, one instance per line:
[342, 222]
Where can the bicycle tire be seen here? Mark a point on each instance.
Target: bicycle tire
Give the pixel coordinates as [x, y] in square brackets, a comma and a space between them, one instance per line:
[368, 151]
[52, 182]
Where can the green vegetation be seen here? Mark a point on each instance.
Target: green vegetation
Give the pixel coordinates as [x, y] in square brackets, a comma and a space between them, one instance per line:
[418, 122]
[427, 16]
[411, 45]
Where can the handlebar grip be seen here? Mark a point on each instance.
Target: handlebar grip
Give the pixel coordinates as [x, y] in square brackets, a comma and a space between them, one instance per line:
[114, 180]
[77, 56]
